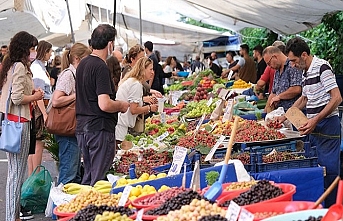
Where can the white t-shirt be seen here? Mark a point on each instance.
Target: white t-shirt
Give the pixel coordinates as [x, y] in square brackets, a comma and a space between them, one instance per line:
[130, 91]
[40, 78]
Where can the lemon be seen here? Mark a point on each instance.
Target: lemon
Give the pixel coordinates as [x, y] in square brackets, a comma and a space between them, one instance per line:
[151, 189]
[144, 176]
[161, 175]
[152, 177]
[132, 198]
[135, 192]
[139, 187]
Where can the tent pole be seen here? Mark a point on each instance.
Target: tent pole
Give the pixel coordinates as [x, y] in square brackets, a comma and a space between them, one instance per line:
[114, 13]
[140, 22]
[71, 25]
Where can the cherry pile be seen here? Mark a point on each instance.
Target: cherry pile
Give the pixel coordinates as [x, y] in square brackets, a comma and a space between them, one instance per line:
[243, 157]
[149, 159]
[274, 124]
[250, 131]
[203, 138]
[88, 213]
[175, 203]
[262, 191]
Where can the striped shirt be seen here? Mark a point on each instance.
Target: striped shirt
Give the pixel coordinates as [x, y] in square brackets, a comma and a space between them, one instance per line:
[317, 82]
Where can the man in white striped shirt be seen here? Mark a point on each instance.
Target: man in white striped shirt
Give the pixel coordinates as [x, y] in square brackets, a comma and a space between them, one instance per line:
[321, 97]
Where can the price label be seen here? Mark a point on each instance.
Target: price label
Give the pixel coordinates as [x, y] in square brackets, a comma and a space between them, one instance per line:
[200, 122]
[163, 117]
[214, 148]
[228, 111]
[178, 159]
[125, 195]
[209, 102]
[162, 136]
[232, 212]
[140, 215]
[246, 215]
[223, 93]
[230, 75]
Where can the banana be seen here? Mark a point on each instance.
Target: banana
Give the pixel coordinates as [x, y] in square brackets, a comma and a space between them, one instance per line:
[105, 190]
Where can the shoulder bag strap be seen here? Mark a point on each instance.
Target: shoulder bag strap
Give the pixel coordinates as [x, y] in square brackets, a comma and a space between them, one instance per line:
[9, 96]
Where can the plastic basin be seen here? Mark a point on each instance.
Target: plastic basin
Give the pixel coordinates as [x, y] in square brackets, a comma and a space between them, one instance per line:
[288, 189]
[66, 218]
[300, 215]
[183, 74]
[280, 207]
[63, 214]
[146, 217]
[136, 203]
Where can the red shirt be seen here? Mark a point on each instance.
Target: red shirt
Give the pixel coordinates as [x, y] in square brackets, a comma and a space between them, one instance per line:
[14, 118]
[268, 77]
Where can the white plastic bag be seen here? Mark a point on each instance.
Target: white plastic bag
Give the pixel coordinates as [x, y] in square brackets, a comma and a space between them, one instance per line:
[50, 204]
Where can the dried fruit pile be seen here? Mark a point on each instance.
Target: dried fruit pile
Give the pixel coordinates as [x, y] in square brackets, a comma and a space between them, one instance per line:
[145, 162]
[203, 138]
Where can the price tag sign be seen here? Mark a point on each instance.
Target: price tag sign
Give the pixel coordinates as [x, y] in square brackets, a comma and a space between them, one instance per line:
[162, 136]
[140, 215]
[246, 215]
[163, 117]
[223, 93]
[209, 102]
[232, 212]
[125, 196]
[200, 122]
[230, 75]
[178, 159]
[214, 148]
[228, 111]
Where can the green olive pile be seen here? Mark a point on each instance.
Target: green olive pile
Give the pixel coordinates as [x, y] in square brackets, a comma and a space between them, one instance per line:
[175, 203]
[312, 218]
[213, 217]
[112, 216]
[89, 213]
[259, 192]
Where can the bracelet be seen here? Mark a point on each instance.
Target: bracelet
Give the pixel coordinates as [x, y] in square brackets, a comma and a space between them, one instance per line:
[149, 108]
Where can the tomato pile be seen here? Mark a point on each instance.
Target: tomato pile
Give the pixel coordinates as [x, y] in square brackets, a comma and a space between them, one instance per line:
[250, 131]
[149, 159]
[203, 138]
[274, 124]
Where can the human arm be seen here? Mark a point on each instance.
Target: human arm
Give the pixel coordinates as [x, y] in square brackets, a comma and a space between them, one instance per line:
[290, 93]
[41, 107]
[108, 105]
[300, 103]
[136, 109]
[60, 99]
[335, 100]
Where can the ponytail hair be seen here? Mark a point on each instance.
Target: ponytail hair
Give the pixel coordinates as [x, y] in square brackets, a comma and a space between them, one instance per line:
[78, 50]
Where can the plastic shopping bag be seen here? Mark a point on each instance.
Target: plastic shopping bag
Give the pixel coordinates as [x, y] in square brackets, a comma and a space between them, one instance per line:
[35, 190]
[50, 204]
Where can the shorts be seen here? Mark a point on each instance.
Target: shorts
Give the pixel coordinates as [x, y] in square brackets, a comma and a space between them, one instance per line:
[121, 132]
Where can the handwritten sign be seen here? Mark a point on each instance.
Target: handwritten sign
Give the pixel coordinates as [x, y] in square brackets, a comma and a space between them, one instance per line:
[209, 102]
[200, 122]
[162, 136]
[178, 159]
[228, 111]
[245, 215]
[232, 212]
[214, 148]
[140, 215]
[230, 75]
[125, 195]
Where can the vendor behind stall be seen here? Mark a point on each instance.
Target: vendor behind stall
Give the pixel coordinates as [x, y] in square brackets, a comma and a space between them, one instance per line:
[321, 97]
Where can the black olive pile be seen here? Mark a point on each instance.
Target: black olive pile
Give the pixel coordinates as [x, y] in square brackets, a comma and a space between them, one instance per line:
[312, 218]
[213, 218]
[175, 203]
[259, 192]
[89, 212]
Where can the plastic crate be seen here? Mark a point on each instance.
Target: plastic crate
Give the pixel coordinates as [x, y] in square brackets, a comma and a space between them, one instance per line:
[288, 164]
[289, 146]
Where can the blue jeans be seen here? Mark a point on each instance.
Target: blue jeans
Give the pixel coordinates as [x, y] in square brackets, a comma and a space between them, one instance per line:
[70, 160]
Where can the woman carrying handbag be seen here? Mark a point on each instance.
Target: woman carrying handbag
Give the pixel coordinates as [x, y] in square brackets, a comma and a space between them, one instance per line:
[64, 94]
[16, 80]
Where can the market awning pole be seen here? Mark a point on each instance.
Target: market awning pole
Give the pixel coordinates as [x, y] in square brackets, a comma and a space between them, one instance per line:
[71, 25]
[140, 22]
[114, 13]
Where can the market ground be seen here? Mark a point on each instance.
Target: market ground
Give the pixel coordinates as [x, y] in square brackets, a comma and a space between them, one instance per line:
[48, 162]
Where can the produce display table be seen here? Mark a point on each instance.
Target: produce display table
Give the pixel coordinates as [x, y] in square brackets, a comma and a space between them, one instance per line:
[309, 181]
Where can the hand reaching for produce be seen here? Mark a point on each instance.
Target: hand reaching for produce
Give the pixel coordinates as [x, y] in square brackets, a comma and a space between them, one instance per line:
[154, 107]
[275, 100]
